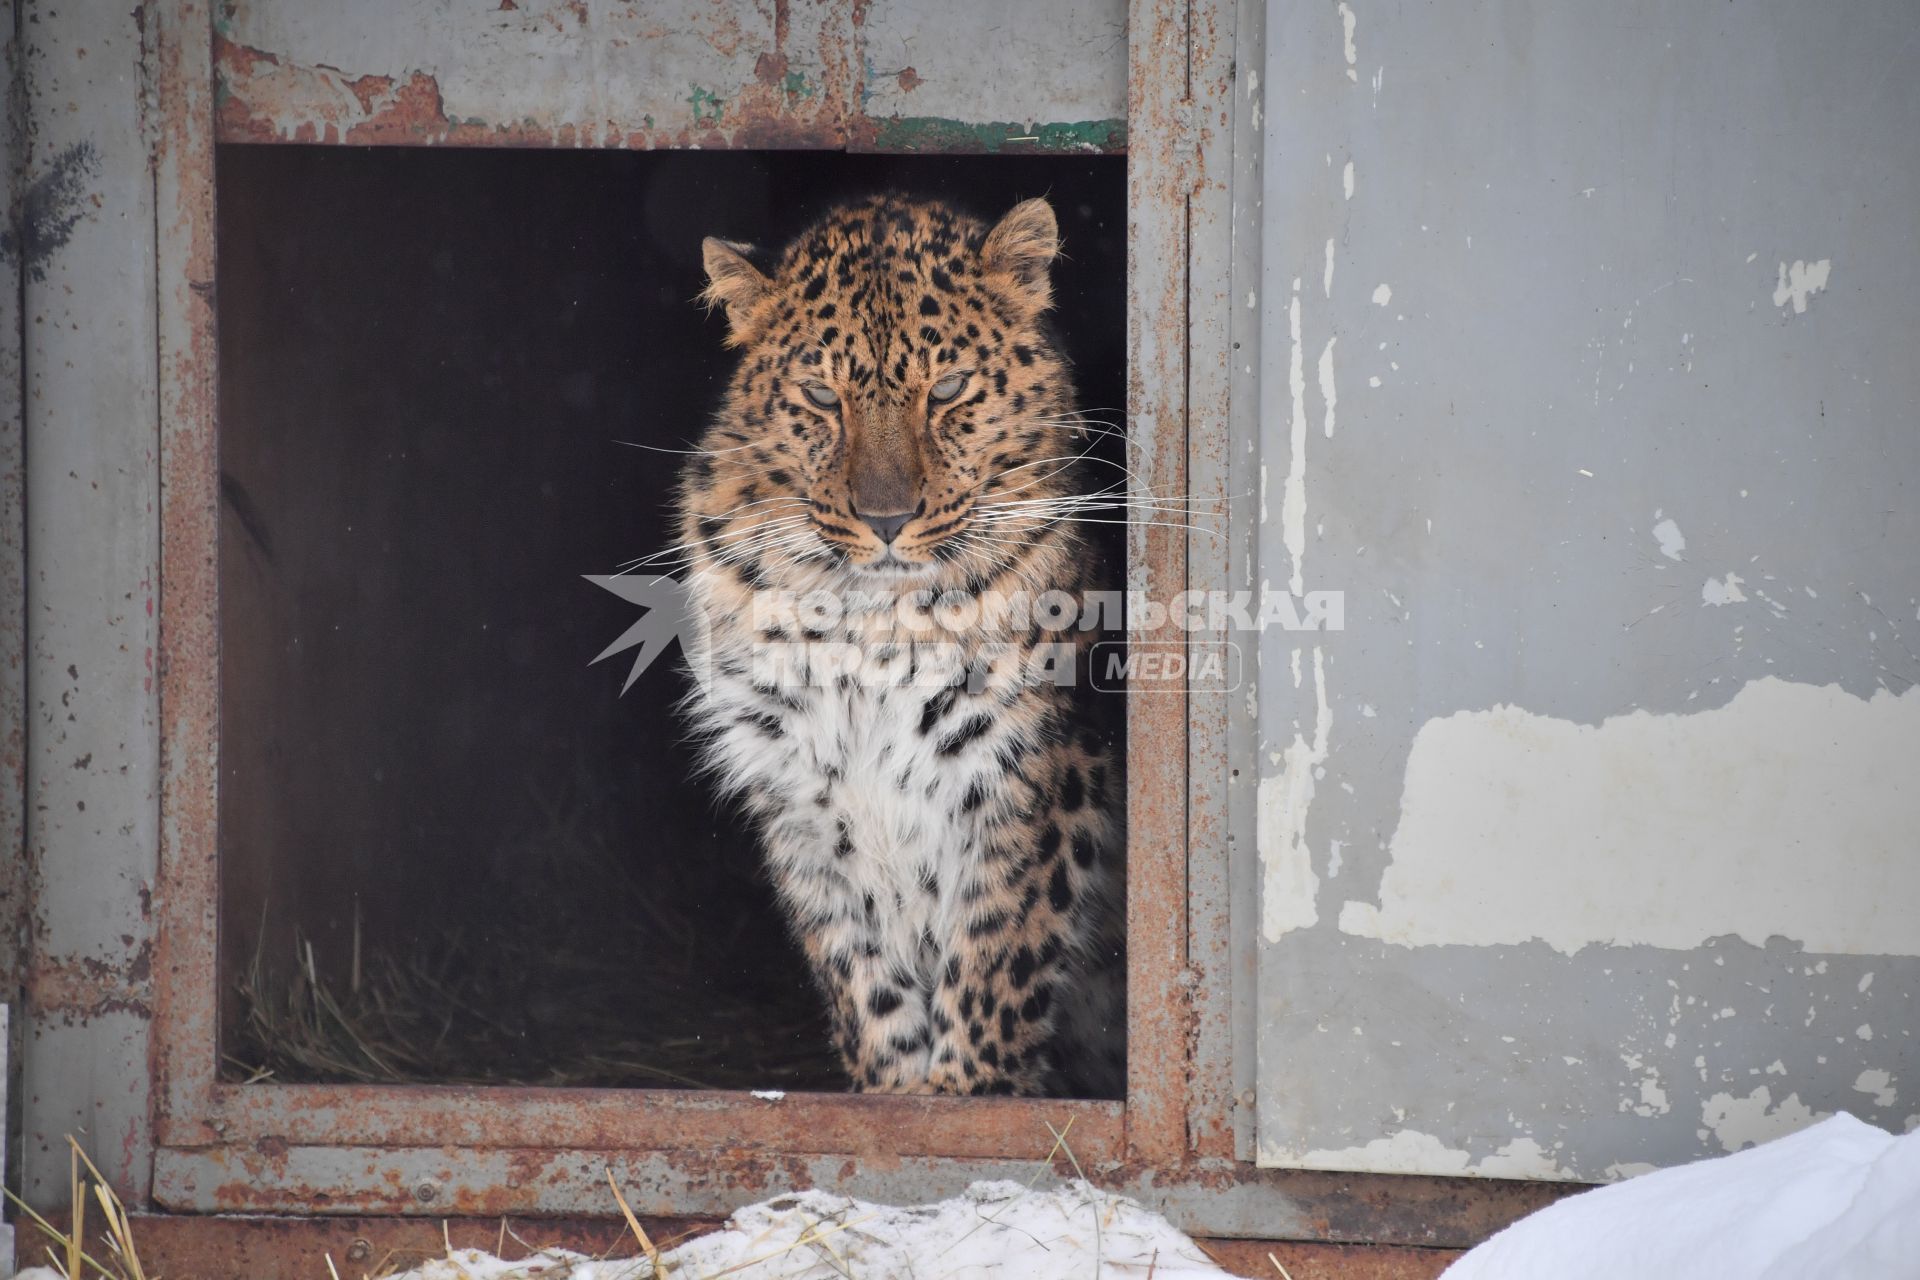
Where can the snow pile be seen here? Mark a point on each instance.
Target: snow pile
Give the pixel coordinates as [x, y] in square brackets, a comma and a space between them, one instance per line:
[1837, 1201]
[996, 1229]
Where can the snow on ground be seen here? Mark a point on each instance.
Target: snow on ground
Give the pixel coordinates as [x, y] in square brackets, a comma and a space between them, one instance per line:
[1837, 1201]
[996, 1229]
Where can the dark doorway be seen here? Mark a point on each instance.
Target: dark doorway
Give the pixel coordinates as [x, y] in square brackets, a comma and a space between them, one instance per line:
[449, 849]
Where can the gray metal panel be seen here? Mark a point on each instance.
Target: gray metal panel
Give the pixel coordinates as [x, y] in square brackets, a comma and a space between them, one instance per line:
[92, 744]
[1240, 527]
[13, 564]
[1061, 61]
[1222, 426]
[6, 1095]
[1587, 845]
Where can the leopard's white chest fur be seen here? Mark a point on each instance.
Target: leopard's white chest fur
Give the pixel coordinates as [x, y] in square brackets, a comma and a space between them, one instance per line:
[871, 819]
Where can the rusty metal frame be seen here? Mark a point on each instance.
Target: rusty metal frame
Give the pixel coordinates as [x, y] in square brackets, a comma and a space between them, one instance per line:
[810, 85]
[248, 1137]
[489, 1151]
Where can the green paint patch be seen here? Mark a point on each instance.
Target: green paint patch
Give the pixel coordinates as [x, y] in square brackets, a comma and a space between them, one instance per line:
[796, 85]
[937, 133]
[706, 105]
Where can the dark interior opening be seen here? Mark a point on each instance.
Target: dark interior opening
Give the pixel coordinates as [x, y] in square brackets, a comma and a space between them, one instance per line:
[450, 851]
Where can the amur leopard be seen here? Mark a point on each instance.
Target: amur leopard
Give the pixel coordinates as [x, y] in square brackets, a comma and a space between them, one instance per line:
[898, 451]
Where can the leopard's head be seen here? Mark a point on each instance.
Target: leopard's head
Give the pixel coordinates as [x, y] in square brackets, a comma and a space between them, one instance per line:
[899, 404]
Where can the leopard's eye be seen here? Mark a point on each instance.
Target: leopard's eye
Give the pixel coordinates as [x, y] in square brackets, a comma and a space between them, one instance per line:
[947, 388]
[821, 395]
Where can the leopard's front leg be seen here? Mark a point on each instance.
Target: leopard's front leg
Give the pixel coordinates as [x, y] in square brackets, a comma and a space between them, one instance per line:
[881, 1024]
[1009, 966]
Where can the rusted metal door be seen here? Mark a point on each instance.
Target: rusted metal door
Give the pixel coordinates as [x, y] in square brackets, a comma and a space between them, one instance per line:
[123, 995]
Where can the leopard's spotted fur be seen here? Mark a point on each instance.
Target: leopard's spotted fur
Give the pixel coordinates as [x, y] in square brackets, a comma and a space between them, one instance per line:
[948, 850]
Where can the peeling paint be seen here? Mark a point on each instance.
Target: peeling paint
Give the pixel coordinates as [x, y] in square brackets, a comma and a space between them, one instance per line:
[1801, 281]
[1879, 1084]
[1411, 1151]
[1347, 23]
[1293, 500]
[1788, 811]
[1290, 887]
[1737, 1122]
[1722, 591]
[936, 133]
[1328, 393]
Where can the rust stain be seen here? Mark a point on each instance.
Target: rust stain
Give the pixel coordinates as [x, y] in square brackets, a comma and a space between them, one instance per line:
[1327, 1261]
[76, 989]
[909, 80]
[186, 991]
[1158, 1066]
[265, 98]
[770, 68]
[549, 1119]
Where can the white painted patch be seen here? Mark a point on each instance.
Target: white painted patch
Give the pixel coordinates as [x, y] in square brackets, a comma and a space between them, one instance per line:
[1629, 1169]
[1373, 380]
[1411, 1151]
[1752, 1120]
[1799, 282]
[1789, 811]
[1347, 24]
[1521, 1158]
[770, 1095]
[1719, 591]
[1288, 883]
[1326, 272]
[1382, 294]
[1346, 180]
[1293, 501]
[1672, 541]
[1328, 394]
[1263, 493]
[1880, 1085]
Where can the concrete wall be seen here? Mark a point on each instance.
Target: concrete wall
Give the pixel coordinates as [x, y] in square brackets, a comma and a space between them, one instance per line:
[1589, 376]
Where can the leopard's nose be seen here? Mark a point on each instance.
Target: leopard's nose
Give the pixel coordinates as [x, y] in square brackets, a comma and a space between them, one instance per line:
[885, 527]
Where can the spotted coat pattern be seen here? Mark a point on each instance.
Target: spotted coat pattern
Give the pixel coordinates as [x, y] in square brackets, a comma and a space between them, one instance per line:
[940, 812]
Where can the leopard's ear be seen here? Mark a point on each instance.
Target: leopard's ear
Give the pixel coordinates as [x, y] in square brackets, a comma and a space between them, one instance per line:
[1022, 247]
[736, 284]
